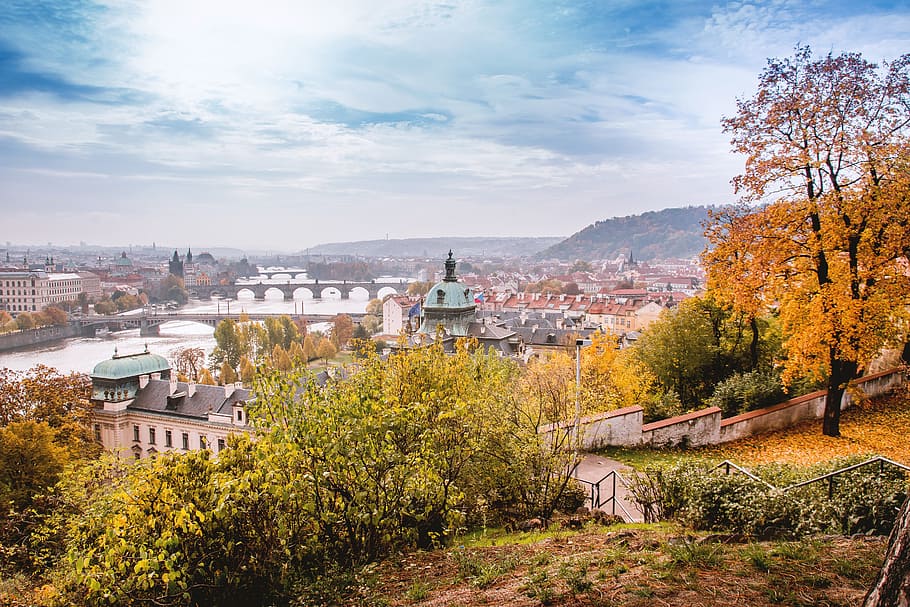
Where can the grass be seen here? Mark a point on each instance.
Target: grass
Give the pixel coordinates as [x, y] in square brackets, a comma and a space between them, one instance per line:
[644, 565]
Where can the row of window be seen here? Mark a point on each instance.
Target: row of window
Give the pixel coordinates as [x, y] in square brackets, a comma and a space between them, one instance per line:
[168, 438]
[18, 283]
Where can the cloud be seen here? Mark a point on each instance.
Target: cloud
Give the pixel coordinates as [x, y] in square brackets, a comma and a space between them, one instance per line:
[555, 112]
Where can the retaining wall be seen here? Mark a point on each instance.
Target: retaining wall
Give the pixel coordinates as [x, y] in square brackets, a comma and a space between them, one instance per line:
[623, 427]
[31, 337]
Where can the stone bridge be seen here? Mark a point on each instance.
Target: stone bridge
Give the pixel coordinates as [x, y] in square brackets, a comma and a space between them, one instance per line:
[316, 289]
[149, 324]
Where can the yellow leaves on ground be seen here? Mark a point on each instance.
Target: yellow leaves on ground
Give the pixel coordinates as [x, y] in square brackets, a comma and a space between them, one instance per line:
[877, 427]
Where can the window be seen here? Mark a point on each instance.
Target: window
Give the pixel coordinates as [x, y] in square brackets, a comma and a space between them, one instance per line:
[186, 441]
[203, 444]
[151, 436]
[221, 444]
[136, 434]
[168, 439]
[98, 432]
[239, 415]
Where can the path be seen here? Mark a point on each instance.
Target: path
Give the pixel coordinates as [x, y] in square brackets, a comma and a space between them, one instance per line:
[593, 469]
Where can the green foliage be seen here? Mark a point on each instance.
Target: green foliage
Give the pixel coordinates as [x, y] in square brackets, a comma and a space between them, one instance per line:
[747, 391]
[865, 500]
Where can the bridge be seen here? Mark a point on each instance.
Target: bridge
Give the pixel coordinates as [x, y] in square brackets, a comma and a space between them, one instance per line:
[316, 289]
[149, 324]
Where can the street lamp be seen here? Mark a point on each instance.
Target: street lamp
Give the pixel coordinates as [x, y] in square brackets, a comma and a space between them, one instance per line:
[579, 344]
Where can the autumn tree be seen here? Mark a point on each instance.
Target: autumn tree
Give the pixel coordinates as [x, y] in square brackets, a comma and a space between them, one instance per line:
[189, 361]
[230, 346]
[309, 348]
[826, 145]
[247, 371]
[228, 375]
[419, 287]
[205, 378]
[374, 307]
[326, 350]
[342, 329]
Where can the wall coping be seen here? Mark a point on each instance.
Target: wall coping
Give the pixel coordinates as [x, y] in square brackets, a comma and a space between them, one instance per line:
[671, 421]
[798, 400]
[588, 419]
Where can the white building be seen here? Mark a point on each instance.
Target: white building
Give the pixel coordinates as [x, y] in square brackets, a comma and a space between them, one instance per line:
[34, 290]
[396, 310]
[140, 409]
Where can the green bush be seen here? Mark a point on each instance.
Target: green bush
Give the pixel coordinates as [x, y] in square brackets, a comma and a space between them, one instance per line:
[865, 500]
[747, 391]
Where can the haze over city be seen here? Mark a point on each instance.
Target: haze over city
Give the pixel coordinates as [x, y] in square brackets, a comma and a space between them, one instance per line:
[289, 124]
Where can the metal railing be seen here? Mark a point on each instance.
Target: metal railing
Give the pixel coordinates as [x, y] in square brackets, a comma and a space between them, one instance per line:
[727, 465]
[597, 502]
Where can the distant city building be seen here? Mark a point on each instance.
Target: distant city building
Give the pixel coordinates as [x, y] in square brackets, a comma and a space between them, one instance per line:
[175, 265]
[34, 290]
[140, 408]
[400, 312]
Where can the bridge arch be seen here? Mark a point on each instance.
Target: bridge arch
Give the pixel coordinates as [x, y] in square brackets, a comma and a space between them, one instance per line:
[359, 294]
[246, 294]
[282, 276]
[385, 291]
[330, 293]
[300, 276]
[302, 293]
[273, 293]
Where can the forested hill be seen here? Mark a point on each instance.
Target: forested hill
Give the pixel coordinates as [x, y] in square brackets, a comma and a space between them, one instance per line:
[654, 235]
[438, 247]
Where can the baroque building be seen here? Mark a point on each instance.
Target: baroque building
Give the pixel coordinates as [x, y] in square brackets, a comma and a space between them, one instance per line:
[140, 408]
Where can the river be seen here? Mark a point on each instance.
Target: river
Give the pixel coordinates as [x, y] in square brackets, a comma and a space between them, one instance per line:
[83, 353]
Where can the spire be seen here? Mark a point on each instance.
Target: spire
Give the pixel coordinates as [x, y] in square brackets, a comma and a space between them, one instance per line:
[189, 255]
[450, 269]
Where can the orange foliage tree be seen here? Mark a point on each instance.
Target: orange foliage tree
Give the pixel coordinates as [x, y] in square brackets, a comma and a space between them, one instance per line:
[826, 145]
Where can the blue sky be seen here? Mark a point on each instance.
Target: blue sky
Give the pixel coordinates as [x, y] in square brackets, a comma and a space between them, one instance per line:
[283, 124]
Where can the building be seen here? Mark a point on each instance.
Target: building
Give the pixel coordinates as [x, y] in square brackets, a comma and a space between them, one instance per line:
[398, 311]
[448, 304]
[140, 408]
[34, 290]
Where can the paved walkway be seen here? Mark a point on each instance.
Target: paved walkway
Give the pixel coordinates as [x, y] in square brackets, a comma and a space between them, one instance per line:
[594, 469]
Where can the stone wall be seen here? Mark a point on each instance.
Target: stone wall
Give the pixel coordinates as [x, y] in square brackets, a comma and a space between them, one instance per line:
[623, 427]
[31, 337]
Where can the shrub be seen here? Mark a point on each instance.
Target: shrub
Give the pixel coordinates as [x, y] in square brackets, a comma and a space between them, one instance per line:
[747, 391]
[865, 500]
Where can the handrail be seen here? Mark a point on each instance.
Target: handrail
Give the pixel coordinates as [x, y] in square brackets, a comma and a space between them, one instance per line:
[595, 501]
[874, 460]
[727, 464]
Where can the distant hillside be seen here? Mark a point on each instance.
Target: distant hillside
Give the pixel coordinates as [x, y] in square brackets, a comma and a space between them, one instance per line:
[652, 235]
[439, 247]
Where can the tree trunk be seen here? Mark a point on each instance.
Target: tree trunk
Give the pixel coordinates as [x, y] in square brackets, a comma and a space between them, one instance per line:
[842, 371]
[892, 588]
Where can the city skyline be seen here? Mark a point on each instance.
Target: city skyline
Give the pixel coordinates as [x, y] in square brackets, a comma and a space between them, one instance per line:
[291, 125]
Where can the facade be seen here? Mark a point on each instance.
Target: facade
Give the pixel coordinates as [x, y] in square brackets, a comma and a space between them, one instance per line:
[34, 290]
[140, 409]
[397, 312]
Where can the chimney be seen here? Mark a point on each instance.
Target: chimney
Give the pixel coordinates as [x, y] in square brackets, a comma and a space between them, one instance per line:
[143, 381]
[173, 386]
[228, 390]
[190, 389]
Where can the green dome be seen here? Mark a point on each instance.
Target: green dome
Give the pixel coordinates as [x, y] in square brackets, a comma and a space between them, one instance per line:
[448, 295]
[130, 365]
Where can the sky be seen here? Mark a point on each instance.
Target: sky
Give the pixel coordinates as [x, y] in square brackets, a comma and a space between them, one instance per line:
[278, 125]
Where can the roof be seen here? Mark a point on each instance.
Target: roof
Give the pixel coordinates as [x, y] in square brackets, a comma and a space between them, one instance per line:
[156, 396]
[130, 365]
[448, 294]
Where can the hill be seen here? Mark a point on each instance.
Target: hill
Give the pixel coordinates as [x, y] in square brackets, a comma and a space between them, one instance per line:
[439, 247]
[662, 234]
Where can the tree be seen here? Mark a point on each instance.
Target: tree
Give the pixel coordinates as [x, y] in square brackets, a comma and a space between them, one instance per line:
[326, 350]
[247, 371]
[189, 361]
[419, 287]
[228, 375]
[827, 140]
[172, 288]
[371, 324]
[25, 321]
[56, 315]
[229, 344]
[374, 307]
[30, 462]
[342, 329]
[205, 378]
[309, 348]
[892, 587]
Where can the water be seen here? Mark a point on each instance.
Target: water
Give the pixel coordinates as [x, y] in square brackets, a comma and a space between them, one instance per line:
[83, 353]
